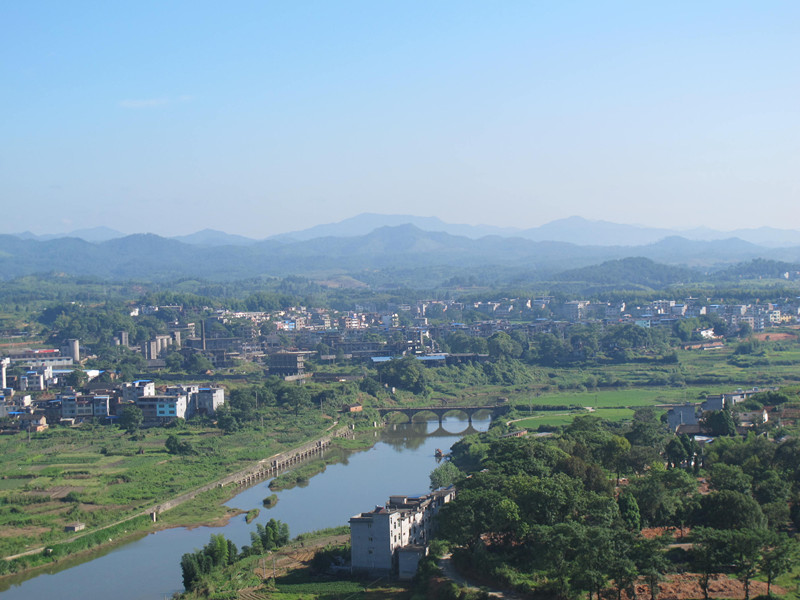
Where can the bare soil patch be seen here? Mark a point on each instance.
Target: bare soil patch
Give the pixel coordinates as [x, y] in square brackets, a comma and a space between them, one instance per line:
[8, 532]
[774, 337]
[95, 507]
[59, 491]
[298, 557]
[685, 586]
[674, 532]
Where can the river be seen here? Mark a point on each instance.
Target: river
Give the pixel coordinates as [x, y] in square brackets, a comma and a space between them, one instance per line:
[149, 568]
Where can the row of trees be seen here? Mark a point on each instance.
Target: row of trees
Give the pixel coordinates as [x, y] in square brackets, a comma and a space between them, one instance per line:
[743, 552]
[579, 343]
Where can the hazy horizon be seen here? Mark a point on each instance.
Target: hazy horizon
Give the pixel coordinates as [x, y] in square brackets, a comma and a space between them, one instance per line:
[518, 227]
[267, 118]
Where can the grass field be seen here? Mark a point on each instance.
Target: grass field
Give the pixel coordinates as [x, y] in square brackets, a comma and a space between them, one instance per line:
[608, 398]
[557, 419]
[98, 475]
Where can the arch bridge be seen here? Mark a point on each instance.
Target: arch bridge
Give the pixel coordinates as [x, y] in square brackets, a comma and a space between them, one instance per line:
[441, 411]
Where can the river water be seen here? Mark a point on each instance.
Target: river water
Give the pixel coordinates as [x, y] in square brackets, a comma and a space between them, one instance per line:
[149, 568]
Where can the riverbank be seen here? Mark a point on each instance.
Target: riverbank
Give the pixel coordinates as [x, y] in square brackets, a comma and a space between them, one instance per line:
[298, 569]
[302, 474]
[201, 507]
[400, 462]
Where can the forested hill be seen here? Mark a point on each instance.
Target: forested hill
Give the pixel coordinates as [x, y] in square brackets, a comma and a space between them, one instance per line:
[148, 256]
[632, 271]
[759, 269]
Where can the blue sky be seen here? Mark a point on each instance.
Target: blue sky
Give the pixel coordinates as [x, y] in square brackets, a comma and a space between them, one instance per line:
[263, 117]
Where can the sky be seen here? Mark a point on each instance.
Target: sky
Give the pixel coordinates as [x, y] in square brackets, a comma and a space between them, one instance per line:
[264, 117]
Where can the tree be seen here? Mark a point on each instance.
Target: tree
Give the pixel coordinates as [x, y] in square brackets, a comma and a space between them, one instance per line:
[676, 453]
[129, 364]
[707, 555]
[446, 474]
[175, 446]
[77, 378]
[217, 549]
[720, 422]
[226, 420]
[621, 566]
[614, 452]
[730, 477]
[730, 510]
[465, 519]
[131, 418]
[190, 570]
[554, 549]
[296, 397]
[744, 549]
[663, 496]
[174, 361]
[591, 560]
[651, 561]
[629, 511]
[778, 557]
[405, 373]
[197, 363]
[502, 345]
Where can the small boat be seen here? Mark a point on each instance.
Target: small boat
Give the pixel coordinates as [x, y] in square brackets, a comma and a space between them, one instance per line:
[438, 453]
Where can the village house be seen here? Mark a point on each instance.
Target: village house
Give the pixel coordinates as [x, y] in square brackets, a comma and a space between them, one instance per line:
[390, 540]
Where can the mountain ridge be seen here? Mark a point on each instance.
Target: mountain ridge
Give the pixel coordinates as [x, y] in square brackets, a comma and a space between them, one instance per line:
[406, 246]
[575, 230]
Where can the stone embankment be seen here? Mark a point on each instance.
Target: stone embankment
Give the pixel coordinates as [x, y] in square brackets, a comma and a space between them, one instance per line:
[268, 467]
[263, 469]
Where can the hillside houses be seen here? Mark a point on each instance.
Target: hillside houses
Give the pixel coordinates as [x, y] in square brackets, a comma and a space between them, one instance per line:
[686, 417]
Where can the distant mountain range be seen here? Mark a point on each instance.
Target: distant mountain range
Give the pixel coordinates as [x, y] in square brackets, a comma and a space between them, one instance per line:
[403, 249]
[572, 230]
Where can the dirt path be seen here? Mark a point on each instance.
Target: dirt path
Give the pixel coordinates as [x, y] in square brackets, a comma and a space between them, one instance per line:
[296, 556]
[449, 570]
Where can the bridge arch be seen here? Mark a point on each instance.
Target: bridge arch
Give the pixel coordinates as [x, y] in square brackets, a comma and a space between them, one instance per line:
[441, 411]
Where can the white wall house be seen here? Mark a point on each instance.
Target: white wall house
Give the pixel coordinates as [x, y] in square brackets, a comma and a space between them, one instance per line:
[390, 539]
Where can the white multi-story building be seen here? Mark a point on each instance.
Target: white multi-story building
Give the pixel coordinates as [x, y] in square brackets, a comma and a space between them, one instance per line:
[178, 402]
[141, 388]
[391, 539]
[208, 400]
[159, 410]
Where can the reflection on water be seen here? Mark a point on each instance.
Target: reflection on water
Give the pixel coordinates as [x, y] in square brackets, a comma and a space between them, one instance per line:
[399, 463]
[411, 436]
